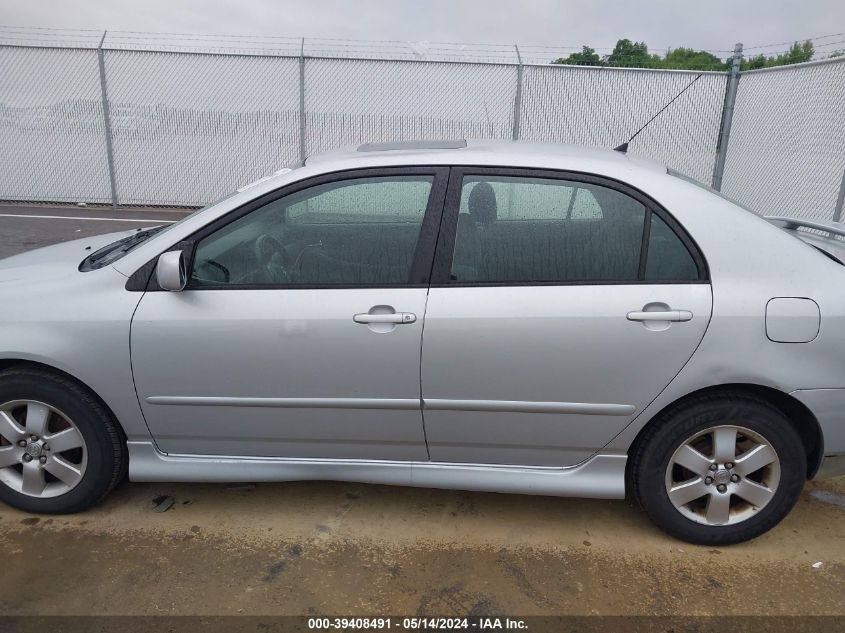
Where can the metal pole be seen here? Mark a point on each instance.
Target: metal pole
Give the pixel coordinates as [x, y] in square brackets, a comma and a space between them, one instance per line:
[727, 118]
[517, 101]
[840, 201]
[104, 93]
[302, 102]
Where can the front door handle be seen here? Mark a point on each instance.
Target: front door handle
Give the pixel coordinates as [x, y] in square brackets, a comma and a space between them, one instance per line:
[661, 315]
[395, 317]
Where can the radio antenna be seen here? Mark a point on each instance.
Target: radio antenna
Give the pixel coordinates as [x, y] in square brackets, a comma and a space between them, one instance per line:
[624, 147]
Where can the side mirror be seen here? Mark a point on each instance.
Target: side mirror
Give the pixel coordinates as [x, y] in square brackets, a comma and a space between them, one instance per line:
[170, 271]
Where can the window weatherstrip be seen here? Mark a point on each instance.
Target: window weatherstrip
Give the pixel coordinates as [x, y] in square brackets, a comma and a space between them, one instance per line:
[644, 244]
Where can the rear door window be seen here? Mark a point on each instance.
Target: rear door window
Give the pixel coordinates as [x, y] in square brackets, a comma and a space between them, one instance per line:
[523, 230]
[515, 229]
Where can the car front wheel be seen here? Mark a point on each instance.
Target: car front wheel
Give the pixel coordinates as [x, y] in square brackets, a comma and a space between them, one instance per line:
[719, 469]
[60, 449]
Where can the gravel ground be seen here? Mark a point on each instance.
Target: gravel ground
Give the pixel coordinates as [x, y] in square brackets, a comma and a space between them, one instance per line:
[312, 548]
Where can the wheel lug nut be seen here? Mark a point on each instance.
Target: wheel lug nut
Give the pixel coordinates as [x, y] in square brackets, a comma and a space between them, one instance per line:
[714, 467]
[721, 487]
[43, 459]
[27, 458]
[734, 478]
[22, 443]
[729, 465]
[34, 438]
[708, 480]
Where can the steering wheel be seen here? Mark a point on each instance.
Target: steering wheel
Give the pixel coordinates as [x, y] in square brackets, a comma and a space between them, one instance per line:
[272, 259]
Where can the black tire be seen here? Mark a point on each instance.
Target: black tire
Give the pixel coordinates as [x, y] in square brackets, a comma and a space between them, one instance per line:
[104, 440]
[651, 456]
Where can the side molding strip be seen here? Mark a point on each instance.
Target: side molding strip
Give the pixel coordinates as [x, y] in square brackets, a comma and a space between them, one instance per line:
[520, 406]
[290, 403]
[503, 406]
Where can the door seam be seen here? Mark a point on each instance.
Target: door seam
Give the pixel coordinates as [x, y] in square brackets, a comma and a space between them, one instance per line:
[422, 339]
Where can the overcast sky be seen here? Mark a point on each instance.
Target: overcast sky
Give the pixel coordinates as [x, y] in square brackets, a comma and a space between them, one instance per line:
[710, 24]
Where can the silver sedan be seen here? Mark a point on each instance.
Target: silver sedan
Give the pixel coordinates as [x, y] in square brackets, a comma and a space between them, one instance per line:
[507, 317]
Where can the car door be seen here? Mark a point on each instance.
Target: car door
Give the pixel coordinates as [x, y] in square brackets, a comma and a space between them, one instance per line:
[560, 306]
[298, 333]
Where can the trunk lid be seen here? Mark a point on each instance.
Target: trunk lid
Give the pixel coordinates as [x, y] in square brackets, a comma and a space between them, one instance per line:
[825, 235]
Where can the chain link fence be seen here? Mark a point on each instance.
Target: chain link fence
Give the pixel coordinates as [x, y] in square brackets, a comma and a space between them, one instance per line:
[787, 147]
[351, 101]
[606, 106]
[188, 128]
[52, 128]
[179, 121]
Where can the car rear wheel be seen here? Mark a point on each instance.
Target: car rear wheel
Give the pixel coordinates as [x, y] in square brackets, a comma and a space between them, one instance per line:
[719, 469]
[60, 450]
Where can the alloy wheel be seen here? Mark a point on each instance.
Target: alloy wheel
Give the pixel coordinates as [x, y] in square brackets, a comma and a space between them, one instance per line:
[722, 475]
[42, 452]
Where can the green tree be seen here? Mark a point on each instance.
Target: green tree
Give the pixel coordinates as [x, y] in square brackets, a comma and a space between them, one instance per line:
[753, 63]
[797, 53]
[587, 57]
[635, 55]
[689, 59]
[632, 55]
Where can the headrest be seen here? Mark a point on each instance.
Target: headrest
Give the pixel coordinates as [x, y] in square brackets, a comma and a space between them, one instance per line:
[482, 203]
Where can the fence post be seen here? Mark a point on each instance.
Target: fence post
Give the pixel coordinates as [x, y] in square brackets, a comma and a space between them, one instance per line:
[302, 102]
[727, 118]
[517, 101]
[840, 201]
[104, 94]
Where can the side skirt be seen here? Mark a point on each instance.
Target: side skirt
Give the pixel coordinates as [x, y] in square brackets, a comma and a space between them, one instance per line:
[600, 477]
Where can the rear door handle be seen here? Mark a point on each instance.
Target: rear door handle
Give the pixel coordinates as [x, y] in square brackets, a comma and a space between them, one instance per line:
[395, 317]
[662, 315]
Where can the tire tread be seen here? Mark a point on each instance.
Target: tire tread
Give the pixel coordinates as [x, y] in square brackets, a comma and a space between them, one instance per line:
[697, 533]
[114, 434]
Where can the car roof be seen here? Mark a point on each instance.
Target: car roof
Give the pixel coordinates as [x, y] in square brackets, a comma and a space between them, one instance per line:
[485, 152]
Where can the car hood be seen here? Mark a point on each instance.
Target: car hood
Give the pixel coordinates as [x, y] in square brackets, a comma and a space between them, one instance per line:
[54, 261]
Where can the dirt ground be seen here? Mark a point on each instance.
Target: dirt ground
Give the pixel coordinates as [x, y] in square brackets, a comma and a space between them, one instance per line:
[319, 548]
